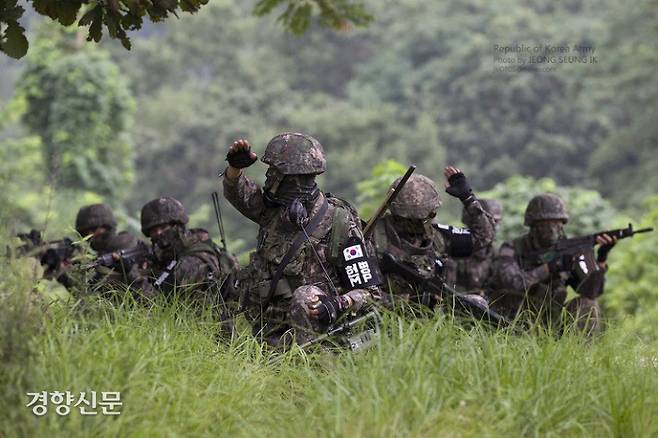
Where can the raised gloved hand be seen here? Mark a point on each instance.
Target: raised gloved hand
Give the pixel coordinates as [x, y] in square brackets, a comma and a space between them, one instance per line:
[239, 155]
[563, 263]
[457, 184]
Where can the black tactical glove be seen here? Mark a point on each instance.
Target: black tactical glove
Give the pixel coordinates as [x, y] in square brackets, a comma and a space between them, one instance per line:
[602, 253]
[240, 159]
[459, 187]
[563, 263]
[330, 309]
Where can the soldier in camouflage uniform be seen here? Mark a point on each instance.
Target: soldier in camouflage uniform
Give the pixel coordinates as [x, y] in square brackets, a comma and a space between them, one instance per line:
[97, 223]
[410, 235]
[291, 290]
[185, 261]
[523, 285]
[471, 274]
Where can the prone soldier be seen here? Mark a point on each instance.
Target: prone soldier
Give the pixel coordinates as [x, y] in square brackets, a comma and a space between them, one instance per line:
[307, 242]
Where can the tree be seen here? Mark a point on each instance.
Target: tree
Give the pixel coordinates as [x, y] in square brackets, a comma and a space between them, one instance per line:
[625, 162]
[81, 108]
[493, 124]
[120, 16]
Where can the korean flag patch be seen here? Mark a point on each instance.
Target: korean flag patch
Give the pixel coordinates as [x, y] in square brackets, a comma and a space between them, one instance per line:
[353, 252]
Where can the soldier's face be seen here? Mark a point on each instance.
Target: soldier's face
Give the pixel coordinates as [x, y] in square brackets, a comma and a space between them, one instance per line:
[166, 239]
[159, 230]
[548, 232]
[95, 232]
[272, 180]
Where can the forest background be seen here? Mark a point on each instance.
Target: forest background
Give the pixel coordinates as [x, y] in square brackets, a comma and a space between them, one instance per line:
[422, 83]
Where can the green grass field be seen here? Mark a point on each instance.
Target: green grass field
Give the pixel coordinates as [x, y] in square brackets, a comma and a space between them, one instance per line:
[422, 378]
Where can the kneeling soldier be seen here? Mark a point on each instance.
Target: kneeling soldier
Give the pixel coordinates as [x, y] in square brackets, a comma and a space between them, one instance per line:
[307, 242]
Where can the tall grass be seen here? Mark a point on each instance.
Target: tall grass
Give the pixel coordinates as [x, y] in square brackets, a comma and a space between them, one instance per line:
[430, 377]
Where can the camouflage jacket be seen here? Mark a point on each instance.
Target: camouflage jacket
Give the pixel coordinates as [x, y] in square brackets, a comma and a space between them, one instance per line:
[200, 269]
[275, 236]
[516, 282]
[472, 274]
[441, 243]
[117, 277]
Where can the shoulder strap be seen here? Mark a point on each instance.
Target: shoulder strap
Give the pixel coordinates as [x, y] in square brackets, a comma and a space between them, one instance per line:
[296, 244]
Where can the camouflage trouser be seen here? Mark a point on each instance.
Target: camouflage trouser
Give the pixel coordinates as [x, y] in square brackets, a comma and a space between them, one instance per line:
[586, 314]
[270, 323]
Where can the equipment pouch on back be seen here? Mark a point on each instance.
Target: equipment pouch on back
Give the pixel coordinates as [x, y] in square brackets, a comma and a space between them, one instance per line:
[461, 240]
[355, 268]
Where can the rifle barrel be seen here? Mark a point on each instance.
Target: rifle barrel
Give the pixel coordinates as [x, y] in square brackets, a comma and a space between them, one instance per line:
[390, 197]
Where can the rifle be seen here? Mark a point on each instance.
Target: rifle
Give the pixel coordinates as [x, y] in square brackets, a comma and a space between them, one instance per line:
[461, 302]
[390, 197]
[577, 246]
[355, 342]
[141, 252]
[56, 252]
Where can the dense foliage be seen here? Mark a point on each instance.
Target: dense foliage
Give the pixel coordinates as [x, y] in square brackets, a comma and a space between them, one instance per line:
[81, 108]
[119, 17]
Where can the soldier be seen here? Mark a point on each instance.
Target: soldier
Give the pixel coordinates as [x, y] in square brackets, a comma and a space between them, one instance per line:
[291, 287]
[98, 224]
[97, 221]
[524, 284]
[183, 260]
[409, 234]
[473, 273]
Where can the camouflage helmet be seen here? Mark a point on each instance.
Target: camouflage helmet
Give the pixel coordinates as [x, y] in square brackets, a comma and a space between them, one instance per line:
[94, 216]
[160, 211]
[418, 199]
[547, 206]
[292, 153]
[491, 206]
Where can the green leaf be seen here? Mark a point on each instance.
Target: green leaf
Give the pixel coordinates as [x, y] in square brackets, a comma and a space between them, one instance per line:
[68, 11]
[88, 17]
[46, 7]
[15, 44]
[264, 7]
[96, 28]
[13, 13]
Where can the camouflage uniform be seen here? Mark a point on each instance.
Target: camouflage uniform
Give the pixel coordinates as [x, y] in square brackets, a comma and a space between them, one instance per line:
[185, 260]
[520, 284]
[91, 218]
[410, 236]
[292, 157]
[474, 272]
